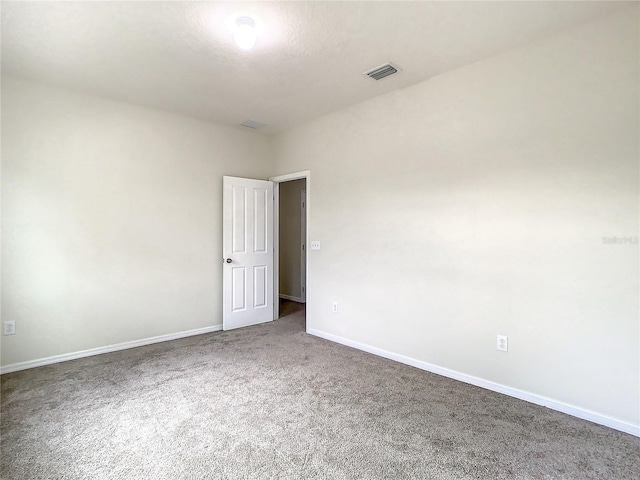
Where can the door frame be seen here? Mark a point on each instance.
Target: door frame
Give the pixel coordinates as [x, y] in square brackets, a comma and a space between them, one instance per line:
[304, 246]
[306, 174]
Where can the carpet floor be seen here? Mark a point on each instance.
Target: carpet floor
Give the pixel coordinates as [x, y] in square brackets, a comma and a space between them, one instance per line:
[270, 401]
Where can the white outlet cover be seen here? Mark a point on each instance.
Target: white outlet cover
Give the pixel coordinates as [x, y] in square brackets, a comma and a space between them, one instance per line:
[315, 245]
[9, 328]
[502, 343]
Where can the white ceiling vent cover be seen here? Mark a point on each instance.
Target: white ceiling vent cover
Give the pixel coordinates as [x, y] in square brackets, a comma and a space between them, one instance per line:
[253, 124]
[383, 71]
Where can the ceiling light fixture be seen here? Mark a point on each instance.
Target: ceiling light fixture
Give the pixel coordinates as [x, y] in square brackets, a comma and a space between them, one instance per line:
[245, 33]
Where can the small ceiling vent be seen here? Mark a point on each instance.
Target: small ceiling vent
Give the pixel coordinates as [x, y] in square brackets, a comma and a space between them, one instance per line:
[382, 71]
[252, 124]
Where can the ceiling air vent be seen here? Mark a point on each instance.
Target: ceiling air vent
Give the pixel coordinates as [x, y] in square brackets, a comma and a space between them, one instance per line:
[382, 71]
[252, 124]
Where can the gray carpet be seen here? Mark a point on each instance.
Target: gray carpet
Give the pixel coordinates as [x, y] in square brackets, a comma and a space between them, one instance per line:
[273, 402]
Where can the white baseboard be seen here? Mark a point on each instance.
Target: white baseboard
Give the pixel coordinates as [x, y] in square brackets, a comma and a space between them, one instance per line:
[293, 299]
[14, 367]
[495, 387]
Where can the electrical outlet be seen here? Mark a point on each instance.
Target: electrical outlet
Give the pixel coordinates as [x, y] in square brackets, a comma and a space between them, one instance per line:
[503, 343]
[315, 245]
[9, 328]
[335, 307]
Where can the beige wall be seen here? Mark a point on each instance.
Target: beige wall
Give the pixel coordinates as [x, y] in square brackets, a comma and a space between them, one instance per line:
[111, 219]
[469, 205]
[289, 238]
[475, 204]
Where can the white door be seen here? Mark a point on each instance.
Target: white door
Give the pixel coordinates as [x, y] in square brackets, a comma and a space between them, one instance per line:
[247, 251]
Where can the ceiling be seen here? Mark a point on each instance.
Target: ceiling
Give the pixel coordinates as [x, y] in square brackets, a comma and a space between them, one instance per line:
[308, 60]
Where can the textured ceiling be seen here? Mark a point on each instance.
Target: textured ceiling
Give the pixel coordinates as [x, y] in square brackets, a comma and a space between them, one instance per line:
[308, 60]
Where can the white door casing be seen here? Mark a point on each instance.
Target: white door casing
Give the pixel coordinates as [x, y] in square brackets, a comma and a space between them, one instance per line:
[303, 245]
[247, 251]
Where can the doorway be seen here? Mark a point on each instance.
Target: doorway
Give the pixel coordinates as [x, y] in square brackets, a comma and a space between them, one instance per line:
[291, 205]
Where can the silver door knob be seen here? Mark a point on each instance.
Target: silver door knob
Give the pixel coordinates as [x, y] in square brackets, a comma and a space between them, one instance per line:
[228, 260]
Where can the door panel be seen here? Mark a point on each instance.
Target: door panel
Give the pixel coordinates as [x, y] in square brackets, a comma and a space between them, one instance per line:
[247, 252]
[238, 286]
[239, 220]
[259, 286]
[260, 217]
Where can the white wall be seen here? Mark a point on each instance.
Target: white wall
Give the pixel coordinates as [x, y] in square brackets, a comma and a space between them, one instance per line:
[289, 238]
[111, 218]
[470, 205]
[475, 204]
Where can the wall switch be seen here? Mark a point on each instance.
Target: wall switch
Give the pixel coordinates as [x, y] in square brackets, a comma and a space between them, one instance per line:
[9, 328]
[335, 307]
[503, 343]
[315, 245]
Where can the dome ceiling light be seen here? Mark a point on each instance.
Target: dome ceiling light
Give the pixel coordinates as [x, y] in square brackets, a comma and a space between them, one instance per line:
[245, 33]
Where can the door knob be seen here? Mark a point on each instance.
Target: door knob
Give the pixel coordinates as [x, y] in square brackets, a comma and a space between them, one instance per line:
[228, 260]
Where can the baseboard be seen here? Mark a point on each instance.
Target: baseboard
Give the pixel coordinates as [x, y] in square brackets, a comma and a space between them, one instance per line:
[495, 387]
[293, 299]
[14, 367]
